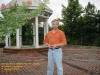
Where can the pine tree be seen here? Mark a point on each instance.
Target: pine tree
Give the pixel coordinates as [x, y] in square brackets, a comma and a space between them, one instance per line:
[70, 15]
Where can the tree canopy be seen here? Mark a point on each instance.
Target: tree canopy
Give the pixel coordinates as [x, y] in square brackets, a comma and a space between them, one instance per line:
[81, 25]
[16, 16]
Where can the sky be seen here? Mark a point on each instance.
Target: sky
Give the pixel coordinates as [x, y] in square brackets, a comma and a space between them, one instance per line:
[56, 6]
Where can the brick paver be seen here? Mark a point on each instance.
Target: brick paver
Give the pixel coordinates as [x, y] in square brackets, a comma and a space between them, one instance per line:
[76, 61]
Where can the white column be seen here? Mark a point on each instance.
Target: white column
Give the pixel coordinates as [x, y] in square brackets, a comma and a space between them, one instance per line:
[6, 41]
[18, 38]
[36, 39]
[9, 40]
[34, 31]
[46, 27]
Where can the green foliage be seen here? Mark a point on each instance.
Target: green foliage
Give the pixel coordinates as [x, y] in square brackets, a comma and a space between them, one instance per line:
[71, 16]
[27, 34]
[81, 26]
[89, 25]
[27, 37]
[90, 9]
[17, 16]
[41, 35]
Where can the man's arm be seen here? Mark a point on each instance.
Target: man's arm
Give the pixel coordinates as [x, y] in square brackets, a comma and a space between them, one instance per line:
[48, 45]
[58, 45]
[45, 42]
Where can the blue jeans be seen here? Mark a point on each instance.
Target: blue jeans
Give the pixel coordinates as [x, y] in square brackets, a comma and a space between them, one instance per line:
[55, 56]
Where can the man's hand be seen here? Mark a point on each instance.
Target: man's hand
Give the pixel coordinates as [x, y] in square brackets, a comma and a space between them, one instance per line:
[53, 46]
[58, 45]
[49, 46]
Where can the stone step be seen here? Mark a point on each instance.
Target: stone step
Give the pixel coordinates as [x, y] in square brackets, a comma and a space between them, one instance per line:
[13, 50]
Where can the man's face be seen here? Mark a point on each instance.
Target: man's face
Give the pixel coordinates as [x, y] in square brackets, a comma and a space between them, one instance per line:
[55, 25]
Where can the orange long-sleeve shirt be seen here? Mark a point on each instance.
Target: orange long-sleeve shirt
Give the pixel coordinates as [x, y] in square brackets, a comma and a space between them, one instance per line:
[55, 38]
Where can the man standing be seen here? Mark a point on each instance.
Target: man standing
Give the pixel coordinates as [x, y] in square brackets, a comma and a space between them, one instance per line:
[55, 39]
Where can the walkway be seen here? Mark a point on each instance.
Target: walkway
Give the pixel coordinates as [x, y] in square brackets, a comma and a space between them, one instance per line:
[76, 61]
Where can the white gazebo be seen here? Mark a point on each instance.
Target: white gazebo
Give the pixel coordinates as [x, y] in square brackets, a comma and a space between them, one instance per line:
[40, 18]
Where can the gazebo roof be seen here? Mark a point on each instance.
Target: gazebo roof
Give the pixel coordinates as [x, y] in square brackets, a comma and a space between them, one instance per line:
[35, 4]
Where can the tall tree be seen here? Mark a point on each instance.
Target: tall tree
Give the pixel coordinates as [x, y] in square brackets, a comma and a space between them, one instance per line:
[89, 25]
[70, 15]
[81, 26]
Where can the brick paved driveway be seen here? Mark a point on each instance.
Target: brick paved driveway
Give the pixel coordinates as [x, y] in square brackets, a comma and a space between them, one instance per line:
[76, 61]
